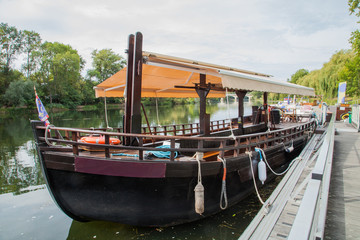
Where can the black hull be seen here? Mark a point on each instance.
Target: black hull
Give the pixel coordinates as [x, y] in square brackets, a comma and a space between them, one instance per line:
[161, 201]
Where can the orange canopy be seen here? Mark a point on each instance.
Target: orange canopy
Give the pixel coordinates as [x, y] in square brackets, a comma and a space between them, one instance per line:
[166, 76]
[159, 82]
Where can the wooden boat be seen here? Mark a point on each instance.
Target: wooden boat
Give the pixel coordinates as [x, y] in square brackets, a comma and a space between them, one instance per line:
[134, 186]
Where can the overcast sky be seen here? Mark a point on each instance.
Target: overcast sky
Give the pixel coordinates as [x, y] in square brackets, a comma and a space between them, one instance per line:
[276, 37]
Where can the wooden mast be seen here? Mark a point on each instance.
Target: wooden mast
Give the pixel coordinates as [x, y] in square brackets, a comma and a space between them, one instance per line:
[129, 88]
[136, 83]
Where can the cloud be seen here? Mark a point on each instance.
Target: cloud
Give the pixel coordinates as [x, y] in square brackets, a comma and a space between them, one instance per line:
[272, 36]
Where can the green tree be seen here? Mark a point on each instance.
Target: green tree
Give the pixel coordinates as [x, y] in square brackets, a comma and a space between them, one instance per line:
[354, 8]
[60, 68]
[11, 43]
[299, 74]
[20, 93]
[105, 64]
[31, 43]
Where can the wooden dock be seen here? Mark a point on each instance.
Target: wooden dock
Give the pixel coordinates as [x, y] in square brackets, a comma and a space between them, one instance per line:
[305, 205]
[343, 215]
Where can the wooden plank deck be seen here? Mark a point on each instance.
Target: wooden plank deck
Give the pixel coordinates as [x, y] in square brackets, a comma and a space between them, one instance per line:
[343, 216]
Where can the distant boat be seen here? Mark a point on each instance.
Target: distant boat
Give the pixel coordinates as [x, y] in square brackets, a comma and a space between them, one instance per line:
[152, 177]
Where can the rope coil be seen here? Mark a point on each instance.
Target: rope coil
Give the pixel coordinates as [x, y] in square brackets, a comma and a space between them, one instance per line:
[223, 195]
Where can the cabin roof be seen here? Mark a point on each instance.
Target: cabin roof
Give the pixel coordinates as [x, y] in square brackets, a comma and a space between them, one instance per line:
[166, 76]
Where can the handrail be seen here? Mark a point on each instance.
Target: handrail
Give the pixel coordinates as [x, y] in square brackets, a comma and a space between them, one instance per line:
[245, 142]
[310, 220]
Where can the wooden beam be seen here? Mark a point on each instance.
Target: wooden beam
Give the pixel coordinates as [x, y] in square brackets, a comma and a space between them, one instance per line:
[266, 107]
[136, 93]
[241, 95]
[202, 91]
[129, 88]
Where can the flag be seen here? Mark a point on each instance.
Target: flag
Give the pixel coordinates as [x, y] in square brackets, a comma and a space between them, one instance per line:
[341, 92]
[43, 115]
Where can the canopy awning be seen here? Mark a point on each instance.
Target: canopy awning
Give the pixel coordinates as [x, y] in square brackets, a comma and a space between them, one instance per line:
[166, 76]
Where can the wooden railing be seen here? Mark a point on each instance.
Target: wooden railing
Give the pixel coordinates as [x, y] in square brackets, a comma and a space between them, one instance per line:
[187, 129]
[146, 142]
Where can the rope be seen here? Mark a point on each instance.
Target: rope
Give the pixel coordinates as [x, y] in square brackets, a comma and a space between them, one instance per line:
[46, 134]
[277, 174]
[228, 110]
[253, 177]
[223, 194]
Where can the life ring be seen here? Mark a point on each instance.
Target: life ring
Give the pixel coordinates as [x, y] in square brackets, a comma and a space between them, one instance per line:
[344, 116]
[99, 140]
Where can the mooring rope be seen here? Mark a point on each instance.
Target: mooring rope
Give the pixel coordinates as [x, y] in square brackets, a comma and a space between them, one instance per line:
[223, 195]
[282, 173]
[253, 177]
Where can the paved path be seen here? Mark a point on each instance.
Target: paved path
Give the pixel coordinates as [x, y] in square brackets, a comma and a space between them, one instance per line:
[343, 216]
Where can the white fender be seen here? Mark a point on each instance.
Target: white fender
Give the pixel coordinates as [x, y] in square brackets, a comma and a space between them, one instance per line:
[262, 171]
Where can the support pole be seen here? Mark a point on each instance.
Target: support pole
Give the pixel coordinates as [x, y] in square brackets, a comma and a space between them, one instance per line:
[241, 95]
[129, 88]
[136, 93]
[266, 107]
[204, 120]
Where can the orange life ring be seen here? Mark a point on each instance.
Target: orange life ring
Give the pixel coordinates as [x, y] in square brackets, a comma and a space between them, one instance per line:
[99, 140]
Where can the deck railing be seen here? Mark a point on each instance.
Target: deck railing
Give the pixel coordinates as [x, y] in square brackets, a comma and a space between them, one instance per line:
[187, 129]
[146, 142]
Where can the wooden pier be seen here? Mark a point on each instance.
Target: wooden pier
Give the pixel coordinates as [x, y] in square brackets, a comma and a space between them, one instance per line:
[305, 205]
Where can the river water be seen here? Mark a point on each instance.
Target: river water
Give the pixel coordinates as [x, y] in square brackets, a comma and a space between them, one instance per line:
[28, 212]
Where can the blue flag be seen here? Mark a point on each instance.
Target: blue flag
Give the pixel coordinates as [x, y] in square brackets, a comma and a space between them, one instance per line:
[43, 115]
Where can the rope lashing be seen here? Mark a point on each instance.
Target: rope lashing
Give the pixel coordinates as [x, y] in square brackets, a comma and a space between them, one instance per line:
[223, 195]
[199, 191]
[253, 177]
[46, 134]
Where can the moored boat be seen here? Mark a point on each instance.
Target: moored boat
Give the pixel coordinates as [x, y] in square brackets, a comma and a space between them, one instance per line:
[150, 177]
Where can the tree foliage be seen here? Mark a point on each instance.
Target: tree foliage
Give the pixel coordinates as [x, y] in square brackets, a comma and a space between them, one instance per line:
[299, 74]
[11, 43]
[105, 64]
[31, 43]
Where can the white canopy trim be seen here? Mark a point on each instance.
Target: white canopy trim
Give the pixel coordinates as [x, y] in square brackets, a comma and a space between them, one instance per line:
[256, 83]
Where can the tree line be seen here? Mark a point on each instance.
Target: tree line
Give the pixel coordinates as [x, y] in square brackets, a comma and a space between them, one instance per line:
[53, 68]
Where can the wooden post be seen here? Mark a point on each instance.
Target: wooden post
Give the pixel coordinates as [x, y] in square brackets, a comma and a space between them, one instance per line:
[241, 95]
[203, 92]
[136, 93]
[266, 107]
[129, 88]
